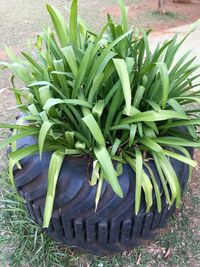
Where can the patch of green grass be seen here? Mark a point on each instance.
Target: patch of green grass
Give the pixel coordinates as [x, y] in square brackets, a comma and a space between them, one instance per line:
[23, 243]
[127, 2]
[183, 238]
[148, 19]
[130, 2]
[168, 16]
[195, 200]
[182, 242]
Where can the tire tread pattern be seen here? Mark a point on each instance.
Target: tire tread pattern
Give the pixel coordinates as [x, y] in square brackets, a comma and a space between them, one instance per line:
[113, 228]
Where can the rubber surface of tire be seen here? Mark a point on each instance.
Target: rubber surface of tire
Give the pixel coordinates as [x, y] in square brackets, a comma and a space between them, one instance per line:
[114, 227]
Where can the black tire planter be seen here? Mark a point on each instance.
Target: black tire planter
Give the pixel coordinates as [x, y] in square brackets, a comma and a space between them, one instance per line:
[114, 227]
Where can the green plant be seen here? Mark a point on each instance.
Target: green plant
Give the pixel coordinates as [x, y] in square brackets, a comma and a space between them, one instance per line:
[109, 97]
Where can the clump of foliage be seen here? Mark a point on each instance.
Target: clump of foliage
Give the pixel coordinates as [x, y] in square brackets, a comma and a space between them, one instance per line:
[107, 96]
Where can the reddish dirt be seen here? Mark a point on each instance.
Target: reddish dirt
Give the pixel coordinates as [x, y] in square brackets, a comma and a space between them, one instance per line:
[180, 13]
[2, 55]
[22, 20]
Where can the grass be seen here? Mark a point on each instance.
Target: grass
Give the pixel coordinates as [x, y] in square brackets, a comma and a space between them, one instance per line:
[22, 242]
[128, 2]
[152, 18]
[157, 16]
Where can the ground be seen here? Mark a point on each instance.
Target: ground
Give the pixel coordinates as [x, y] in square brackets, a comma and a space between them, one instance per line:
[22, 20]
[179, 243]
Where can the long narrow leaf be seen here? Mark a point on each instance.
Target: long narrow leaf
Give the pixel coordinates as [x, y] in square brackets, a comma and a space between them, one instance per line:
[156, 188]
[124, 17]
[151, 116]
[54, 170]
[42, 135]
[122, 71]
[139, 166]
[24, 133]
[104, 159]
[73, 25]
[53, 102]
[165, 81]
[59, 24]
[94, 129]
[181, 158]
